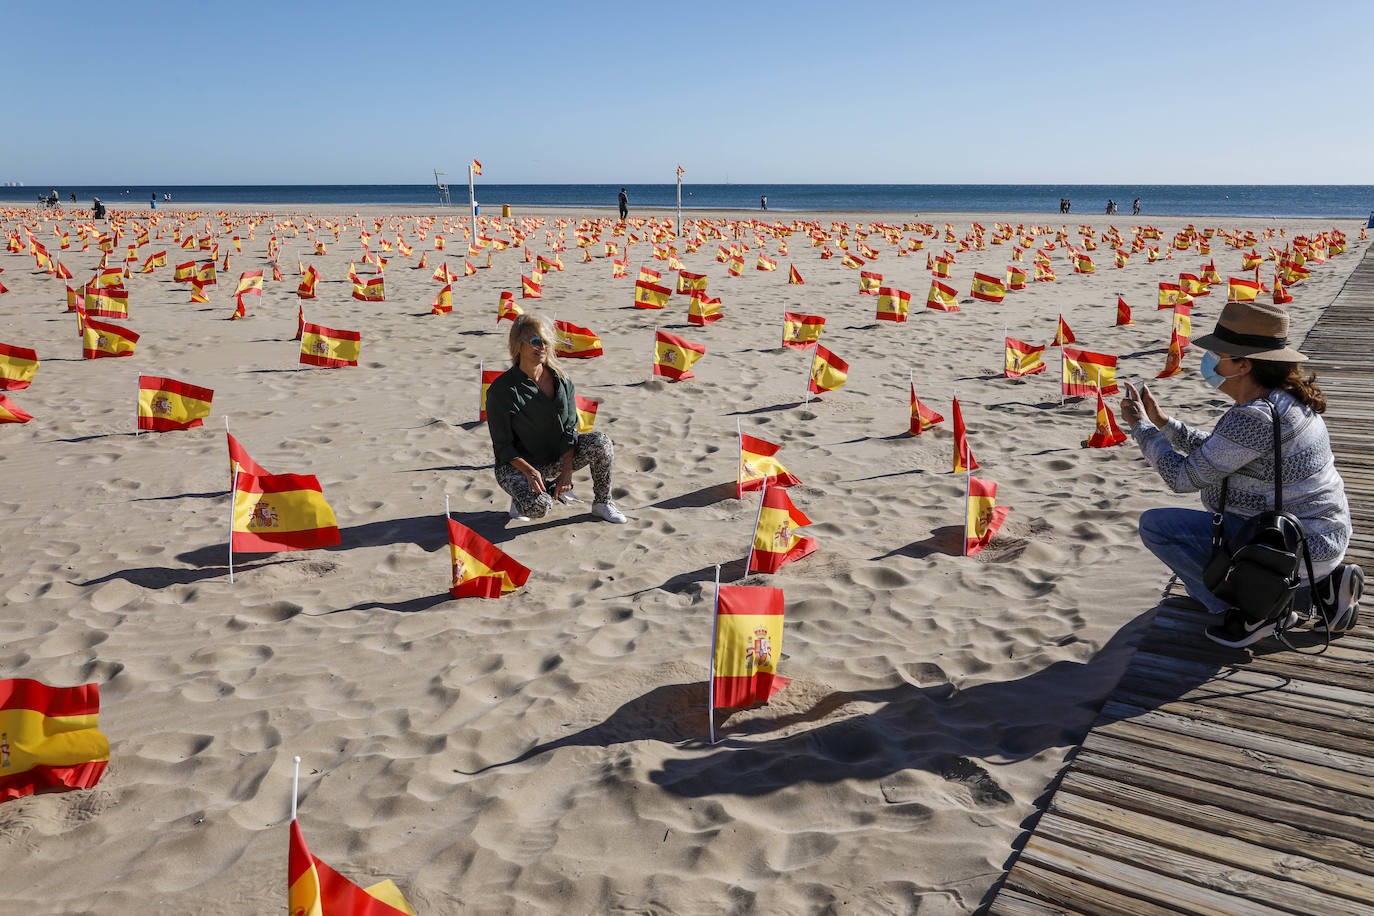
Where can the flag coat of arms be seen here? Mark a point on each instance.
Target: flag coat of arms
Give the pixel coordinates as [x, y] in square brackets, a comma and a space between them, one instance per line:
[942, 298]
[1086, 372]
[18, 366]
[166, 404]
[107, 302]
[1107, 432]
[279, 512]
[687, 282]
[250, 283]
[373, 290]
[758, 466]
[893, 304]
[983, 517]
[963, 455]
[586, 413]
[828, 371]
[801, 331]
[321, 346]
[443, 300]
[775, 540]
[480, 568]
[870, 283]
[101, 339]
[1021, 358]
[988, 289]
[49, 738]
[1169, 295]
[315, 889]
[922, 417]
[748, 645]
[674, 356]
[576, 342]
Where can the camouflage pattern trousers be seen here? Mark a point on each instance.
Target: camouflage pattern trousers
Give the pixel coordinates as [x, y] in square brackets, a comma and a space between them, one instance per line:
[594, 448]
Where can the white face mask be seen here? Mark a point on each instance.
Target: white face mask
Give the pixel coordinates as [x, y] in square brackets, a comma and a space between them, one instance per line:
[1210, 361]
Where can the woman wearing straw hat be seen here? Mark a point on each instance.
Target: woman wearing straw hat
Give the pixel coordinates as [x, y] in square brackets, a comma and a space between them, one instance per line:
[1249, 359]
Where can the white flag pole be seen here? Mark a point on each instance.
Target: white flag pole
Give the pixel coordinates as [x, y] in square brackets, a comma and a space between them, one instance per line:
[1058, 328]
[784, 324]
[763, 493]
[810, 368]
[739, 471]
[679, 232]
[472, 205]
[233, 508]
[711, 668]
[138, 397]
[481, 401]
[295, 785]
[968, 487]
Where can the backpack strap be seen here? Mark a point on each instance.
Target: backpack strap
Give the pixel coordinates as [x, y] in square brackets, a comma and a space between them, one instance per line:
[1278, 459]
[1217, 518]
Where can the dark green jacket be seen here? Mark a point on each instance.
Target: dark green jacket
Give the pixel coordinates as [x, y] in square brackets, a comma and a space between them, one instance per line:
[525, 423]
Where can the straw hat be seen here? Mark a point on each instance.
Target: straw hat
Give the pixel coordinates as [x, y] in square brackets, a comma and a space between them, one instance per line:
[1256, 330]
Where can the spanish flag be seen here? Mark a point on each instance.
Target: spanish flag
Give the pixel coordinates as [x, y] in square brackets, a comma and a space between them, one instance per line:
[758, 468]
[1123, 313]
[205, 273]
[649, 275]
[1122, 257]
[942, 298]
[748, 646]
[576, 342]
[18, 366]
[506, 307]
[101, 339]
[250, 282]
[1062, 334]
[736, 267]
[1016, 277]
[306, 290]
[480, 569]
[321, 346]
[1251, 260]
[530, 289]
[775, 541]
[869, 283]
[988, 289]
[1281, 295]
[113, 276]
[240, 460]
[688, 282]
[373, 290]
[673, 356]
[922, 417]
[1169, 295]
[1020, 358]
[476, 167]
[165, 404]
[940, 266]
[315, 889]
[703, 309]
[765, 263]
[10, 412]
[983, 517]
[107, 302]
[443, 300]
[281, 512]
[198, 295]
[650, 295]
[1107, 433]
[893, 304]
[487, 377]
[828, 371]
[586, 413]
[1044, 273]
[852, 262]
[443, 274]
[1173, 363]
[1183, 322]
[1086, 372]
[963, 455]
[619, 269]
[1238, 290]
[49, 738]
[1083, 264]
[793, 277]
[1193, 286]
[801, 331]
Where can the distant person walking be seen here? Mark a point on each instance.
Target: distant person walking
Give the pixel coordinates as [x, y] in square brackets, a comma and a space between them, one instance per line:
[624, 204]
[763, 202]
[1135, 207]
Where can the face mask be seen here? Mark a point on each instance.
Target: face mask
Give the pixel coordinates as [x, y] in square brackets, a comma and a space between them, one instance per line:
[1209, 370]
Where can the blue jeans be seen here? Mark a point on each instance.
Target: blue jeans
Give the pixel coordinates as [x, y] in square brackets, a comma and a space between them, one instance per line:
[1182, 539]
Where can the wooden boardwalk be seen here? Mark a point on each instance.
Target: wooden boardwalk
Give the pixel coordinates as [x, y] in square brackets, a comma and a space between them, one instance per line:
[1232, 782]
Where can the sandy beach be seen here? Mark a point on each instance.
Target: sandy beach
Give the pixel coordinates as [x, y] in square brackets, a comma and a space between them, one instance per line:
[546, 752]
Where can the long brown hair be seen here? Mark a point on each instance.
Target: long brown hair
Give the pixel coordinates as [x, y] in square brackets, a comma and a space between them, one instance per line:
[1288, 376]
[526, 326]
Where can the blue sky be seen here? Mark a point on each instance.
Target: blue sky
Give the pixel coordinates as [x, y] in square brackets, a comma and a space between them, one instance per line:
[351, 93]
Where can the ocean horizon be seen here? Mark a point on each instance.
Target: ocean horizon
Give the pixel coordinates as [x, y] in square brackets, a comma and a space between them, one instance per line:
[1255, 201]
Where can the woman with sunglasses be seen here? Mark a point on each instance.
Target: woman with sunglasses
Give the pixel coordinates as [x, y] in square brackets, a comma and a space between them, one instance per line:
[1249, 360]
[532, 417]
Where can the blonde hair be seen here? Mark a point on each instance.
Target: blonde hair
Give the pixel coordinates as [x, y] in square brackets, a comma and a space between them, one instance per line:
[526, 326]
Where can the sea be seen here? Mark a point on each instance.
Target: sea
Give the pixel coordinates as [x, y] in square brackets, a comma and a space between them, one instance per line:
[1273, 201]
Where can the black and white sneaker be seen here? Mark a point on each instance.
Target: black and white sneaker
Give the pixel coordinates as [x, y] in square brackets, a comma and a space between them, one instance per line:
[1340, 593]
[1236, 632]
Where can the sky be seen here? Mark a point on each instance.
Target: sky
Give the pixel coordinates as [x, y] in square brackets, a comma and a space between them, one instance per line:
[287, 92]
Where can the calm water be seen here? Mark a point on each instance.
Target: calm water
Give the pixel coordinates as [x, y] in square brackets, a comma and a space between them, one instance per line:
[1328, 201]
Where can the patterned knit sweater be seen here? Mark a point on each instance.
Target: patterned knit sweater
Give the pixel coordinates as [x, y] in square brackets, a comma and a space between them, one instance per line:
[1241, 447]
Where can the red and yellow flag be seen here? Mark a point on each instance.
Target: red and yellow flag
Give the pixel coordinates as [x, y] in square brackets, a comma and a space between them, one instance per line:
[1021, 358]
[1107, 432]
[1238, 290]
[1173, 363]
[988, 289]
[688, 282]
[477, 167]
[1083, 264]
[983, 517]
[239, 459]
[1016, 277]
[487, 377]
[828, 371]
[703, 309]
[1086, 372]
[11, 412]
[166, 404]
[801, 331]
[922, 417]
[852, 262]
[765, 263]
[102, 339]
[205, 273]
[1183, 322]
[649, 295]
[869, 283]
[619, 269]
[506, 307]
[281, 512]
[1169, 295]
[315, 889]
[758, 468]
[373, 290]
[107, 302]
[576, 342]
[250, 283]
[306, 290]
[674, 356]
[49, 738]
[1123, 312]
[748, 646]
[1193, 286]
[586, 413]
[775, 541]
[530, 289]
[480, 568]
[18, 366]
[321, 346]
[443, 300]
[963, 455]
[893, 304]
[942, 298]
[1062, 333]
[793, 277]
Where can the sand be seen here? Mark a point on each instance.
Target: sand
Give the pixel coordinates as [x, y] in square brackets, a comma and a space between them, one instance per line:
[546, 752]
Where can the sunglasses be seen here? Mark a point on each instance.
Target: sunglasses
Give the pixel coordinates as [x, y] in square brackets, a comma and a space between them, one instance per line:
[537, 342]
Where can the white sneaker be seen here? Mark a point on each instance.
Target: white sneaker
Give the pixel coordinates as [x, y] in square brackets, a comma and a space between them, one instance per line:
[568, 499]
[515, 515]
[1341, 592]
[608, 512]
